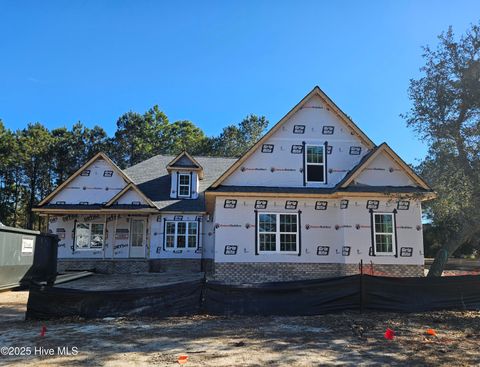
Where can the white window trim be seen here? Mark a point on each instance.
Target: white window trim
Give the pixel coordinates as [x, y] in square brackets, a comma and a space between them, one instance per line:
[277, 235]
[175, 235]
[393, 252]
[189, 185]
[315, 164]
[90, 238]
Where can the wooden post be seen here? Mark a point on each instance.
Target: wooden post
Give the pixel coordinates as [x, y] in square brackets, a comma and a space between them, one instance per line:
[114, 236]
[105, 230]
[147, 234]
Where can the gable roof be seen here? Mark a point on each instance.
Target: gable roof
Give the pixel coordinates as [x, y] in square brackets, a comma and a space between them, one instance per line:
[368, 158]
[152, 181]
[178, 162]
[96, 157]
[130, 186]
[314, 92]
[185, 162]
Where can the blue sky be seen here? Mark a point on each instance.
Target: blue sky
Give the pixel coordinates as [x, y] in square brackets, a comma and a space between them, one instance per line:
[214, 62]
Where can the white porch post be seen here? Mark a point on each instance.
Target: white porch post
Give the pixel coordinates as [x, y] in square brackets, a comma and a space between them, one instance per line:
[114, 236]
[105, 230]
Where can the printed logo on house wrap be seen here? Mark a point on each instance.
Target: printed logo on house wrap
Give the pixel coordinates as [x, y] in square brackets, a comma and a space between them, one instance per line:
[230, 250]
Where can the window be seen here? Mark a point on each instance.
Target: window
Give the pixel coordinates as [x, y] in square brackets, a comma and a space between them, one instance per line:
[183, 184]
[384, 233]
[180, 234]
[277, 233]
[315, 163]
[89, 236]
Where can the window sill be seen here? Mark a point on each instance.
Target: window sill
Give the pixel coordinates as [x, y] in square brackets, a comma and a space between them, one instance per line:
[181, 248]
[88, 249]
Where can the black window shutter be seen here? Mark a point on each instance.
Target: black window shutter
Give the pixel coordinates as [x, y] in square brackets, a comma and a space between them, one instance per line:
[325, 155]
[304, 165]
[164, 232]
[372, 227]
[395, 231]
[256, 232]
[178, 185]
[299, 233]
[191, 185]
[74, 235]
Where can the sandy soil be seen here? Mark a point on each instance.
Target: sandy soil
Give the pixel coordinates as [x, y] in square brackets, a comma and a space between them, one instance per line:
[347, 338]
[13, 306]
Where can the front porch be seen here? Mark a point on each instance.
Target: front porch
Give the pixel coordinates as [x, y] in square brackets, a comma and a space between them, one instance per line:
[132, 266]
[115, 282]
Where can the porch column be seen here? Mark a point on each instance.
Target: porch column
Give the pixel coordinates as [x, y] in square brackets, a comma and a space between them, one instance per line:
[114, 236]
[105, 230]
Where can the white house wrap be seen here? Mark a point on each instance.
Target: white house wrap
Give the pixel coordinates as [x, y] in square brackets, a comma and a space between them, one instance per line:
[315, 197]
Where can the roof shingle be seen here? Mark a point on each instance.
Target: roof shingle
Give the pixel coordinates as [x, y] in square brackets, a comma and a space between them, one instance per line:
[152, 178]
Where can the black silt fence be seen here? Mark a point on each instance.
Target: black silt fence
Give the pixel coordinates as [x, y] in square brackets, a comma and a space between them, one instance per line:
[357, 292]
[309, 297]
[169, 300]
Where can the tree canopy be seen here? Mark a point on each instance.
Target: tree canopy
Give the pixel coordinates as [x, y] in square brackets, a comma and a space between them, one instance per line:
[445, 113]
[235, 140]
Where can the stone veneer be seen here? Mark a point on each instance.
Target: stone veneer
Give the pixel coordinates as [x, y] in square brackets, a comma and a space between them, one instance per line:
[273, 272]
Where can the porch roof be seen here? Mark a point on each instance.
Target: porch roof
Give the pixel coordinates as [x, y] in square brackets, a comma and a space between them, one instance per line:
[94, 209]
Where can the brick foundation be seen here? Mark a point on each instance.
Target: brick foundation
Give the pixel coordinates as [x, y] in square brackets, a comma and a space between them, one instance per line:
[130, 266]
[178, 265]
[400, 271]
[118, 266]
[273, 272]
[237, 272]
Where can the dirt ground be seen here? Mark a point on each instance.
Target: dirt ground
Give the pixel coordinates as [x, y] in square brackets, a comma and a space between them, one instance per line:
[348, 338]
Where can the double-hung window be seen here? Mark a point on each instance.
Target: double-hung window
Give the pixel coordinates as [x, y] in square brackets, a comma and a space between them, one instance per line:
[384, 233]
[89, 236]
[315, 163]
[184, 184]
[181, 234]
[277, 233]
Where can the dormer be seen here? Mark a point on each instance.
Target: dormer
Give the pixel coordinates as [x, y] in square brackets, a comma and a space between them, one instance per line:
[185, 173]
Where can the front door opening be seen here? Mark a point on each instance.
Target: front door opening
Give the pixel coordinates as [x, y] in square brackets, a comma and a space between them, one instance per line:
[138, 238]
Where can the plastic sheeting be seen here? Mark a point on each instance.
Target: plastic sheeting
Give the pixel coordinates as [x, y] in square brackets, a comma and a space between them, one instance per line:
[309, 297]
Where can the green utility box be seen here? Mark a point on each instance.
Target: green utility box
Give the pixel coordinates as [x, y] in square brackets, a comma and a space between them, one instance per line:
[26, 256]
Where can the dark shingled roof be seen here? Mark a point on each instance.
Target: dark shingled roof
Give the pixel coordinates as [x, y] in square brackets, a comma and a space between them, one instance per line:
[270, 189]
[152, 178]
[73, 206]
[94, 206]
[330, 190]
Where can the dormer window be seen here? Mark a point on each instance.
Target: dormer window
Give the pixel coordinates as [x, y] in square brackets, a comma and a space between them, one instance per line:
[184, 184]
[185, 174]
